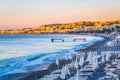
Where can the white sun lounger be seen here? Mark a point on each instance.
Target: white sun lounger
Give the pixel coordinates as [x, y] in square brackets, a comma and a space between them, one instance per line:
[87, 70]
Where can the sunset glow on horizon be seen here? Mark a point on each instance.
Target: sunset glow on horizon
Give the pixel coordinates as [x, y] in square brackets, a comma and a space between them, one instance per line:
[17, 14]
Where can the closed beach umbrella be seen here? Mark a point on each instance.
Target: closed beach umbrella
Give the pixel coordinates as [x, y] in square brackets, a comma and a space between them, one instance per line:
[89, 58]
[77, 75]
[76, 64]
[57, 61]
[103, 59]
[81, 62]
[93, 65]
[66, 57]
[67, 70]
[96, 63]
[108, 56]
[73, 63]
[62, 76]
[70, 57]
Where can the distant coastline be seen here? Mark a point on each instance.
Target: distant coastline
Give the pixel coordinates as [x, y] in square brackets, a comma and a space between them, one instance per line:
[75, 27]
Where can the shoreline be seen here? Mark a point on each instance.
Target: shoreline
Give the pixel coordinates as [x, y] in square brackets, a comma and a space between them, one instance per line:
[51, 67]
[62, 62]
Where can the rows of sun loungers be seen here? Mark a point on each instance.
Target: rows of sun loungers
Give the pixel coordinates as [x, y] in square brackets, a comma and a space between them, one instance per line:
[112, 70]
[85, 66]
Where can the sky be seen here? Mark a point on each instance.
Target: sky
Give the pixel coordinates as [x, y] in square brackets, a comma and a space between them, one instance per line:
[18, 14]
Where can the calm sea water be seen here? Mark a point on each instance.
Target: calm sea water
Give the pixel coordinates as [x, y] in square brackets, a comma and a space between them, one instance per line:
[19, 51]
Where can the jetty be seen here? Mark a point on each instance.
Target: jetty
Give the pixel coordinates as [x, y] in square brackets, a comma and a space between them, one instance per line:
[79, 39]
[62, 40]
[53, 40]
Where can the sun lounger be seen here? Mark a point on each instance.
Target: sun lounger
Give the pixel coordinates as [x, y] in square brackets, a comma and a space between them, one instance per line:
[56, 72]
[89, 66]
[87, 70]
[80, 78]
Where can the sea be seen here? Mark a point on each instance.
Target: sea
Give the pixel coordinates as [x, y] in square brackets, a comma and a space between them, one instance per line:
[22, 51]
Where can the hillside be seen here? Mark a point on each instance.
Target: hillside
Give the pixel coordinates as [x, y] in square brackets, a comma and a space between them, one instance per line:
[63, 28]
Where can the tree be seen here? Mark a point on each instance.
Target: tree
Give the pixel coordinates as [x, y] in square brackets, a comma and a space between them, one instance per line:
[117, 27]
[109, 30]
[104, 30]
[112, 29]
